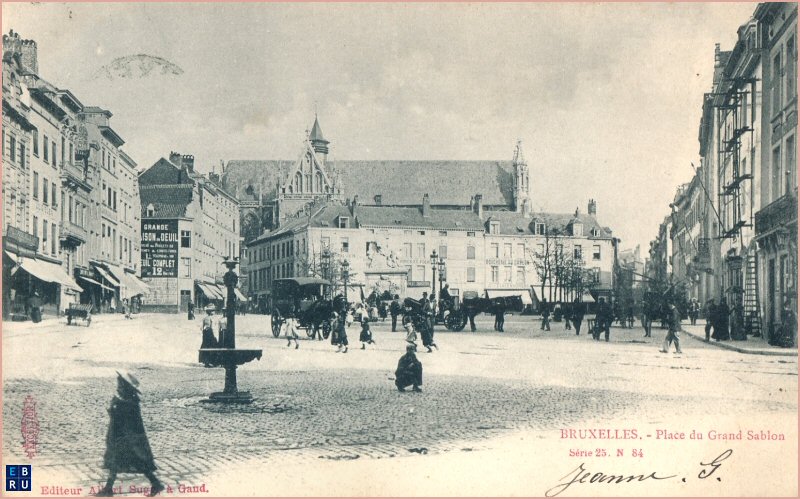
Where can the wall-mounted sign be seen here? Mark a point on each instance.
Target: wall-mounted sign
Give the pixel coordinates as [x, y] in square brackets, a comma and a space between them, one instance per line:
[159, 248]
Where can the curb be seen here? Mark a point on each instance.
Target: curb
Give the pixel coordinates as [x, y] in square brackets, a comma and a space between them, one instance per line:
[790, 352]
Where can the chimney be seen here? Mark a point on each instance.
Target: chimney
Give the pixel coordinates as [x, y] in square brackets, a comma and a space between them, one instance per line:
[378, 199]
[176, 159]
[188, 162]
[426, 205]
[526, 208]
[592, 207]
[479, 205]
[354, 205]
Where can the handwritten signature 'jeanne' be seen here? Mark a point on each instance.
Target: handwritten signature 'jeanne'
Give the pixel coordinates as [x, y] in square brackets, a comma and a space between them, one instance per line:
[582, 475]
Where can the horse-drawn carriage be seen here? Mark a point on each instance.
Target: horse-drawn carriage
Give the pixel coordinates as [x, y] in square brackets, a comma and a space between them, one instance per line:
[455, 314]
[302, 298]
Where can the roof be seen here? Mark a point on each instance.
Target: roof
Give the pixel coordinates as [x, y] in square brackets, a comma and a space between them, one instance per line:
[169, 201]
[316, 132]
[304, 281]
[513, 223]
[389, 216]
[447, 182]
[247, 179]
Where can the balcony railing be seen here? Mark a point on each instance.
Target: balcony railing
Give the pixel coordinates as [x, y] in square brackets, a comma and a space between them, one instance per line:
[776, 214]
[72, 234]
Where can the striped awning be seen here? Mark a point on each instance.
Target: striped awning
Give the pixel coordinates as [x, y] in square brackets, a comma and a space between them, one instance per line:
[107, 276]
[239, 294]
[92, 281]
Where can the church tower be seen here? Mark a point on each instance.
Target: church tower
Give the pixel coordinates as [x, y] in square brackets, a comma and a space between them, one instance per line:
[522, 196]
[318, 142]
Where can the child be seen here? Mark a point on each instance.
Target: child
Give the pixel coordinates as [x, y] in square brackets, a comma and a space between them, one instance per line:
[366, 336]
[411, 336]
[291, 332]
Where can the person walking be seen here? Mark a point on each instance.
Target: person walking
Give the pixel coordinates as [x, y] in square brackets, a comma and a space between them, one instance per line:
[190, 311]
[291, 332]
[366, 336]
[545, 317]
[577, 315]
[35, 307]
[566, 309]
[722, 320]
[409, 371]
[674, 324]
[694, 311]
[341, 335]
[711, 316]
[499, 317]
[648, 312]
[394, 310]
[209, 340]
[126, 308]
[605, 316]
[127, 447]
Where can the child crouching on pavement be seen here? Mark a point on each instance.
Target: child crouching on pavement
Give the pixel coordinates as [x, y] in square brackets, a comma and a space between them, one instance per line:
[409, 371]
[366, 336]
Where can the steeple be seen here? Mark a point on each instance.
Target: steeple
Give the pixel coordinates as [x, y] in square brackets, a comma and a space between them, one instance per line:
[522, 195]
[318, 142]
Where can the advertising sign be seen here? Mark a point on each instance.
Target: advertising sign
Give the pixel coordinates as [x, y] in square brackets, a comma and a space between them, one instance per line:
[160, 248]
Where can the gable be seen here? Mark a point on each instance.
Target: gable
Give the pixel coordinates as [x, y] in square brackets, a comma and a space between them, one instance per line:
[164, 173]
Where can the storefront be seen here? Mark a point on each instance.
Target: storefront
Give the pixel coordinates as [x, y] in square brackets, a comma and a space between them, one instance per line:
[26, 276]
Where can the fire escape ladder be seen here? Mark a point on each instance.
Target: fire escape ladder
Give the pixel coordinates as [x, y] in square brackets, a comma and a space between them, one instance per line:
[752, 312]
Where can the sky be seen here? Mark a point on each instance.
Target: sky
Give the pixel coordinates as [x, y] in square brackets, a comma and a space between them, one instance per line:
[606, 98]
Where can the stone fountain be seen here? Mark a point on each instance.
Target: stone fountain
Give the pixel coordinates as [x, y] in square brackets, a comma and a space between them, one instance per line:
[227, 355]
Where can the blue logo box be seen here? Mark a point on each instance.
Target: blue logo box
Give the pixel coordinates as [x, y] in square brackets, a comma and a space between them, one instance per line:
[18, 478]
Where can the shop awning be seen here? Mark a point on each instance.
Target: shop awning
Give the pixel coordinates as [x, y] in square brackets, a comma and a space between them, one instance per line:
[129, 284]
[239, 294]
[587, 297]
[525, 293]
[107, 276]
[48, 272]
[92, 281]
[210, 291]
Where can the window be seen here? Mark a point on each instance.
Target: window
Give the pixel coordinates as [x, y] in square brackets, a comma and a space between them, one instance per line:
[443, 251]
[407, 232]
[470, 274]
[35, 138]
[470, 234]
[53, 150]
[35, 226]
[186, 239]
[494, 228]
[44, 236]
[520, 250]
[791, 68]
[53, 194]
[419, 274]
[71, 152]
[507, 271]
[494, 250]
[421, 232]
[53, 239]
[776, 173]
[540, 249]
[45, 147]
[344, 222]
[114, 205]
[521, 276]
[777, 83]
[63, 148]
[470, 252]
[3, 145]
[407, 250]
[326, 242]
[345, 245]
[791, 179]
[507, 250]
[22, 156]
[151, 210]
[421, 250]
[70, 207]
[442, 233]
[577, 252]
[12, 147]
[596, 252]
[540, 229]
[595, 274]
[495, 273]
[186, 267]
[45, 191]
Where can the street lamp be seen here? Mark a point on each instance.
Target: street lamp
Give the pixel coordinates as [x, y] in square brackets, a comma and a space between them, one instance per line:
[345, 278]
[325, 264]
[434, 263]
[442, 265]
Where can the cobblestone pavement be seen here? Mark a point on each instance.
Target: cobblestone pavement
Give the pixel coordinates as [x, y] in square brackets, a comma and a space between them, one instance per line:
[314, 404]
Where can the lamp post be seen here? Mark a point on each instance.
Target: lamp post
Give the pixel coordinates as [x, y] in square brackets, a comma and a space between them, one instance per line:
[345, 278]
[434, 263]
[325, 263]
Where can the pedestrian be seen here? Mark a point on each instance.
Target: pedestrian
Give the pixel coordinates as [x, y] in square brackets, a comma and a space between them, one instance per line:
[499, 317]
[366, 336]
[787, 336]
[567, 312]
[341, 335]
[721, 322]
[427, 309]
[631, 315]
[409, 371]
[127, 447]
[711, 316]
[674, 322]
[394, 310]
[209, 340]
[545, 316]
[383, 311]
[126, 308]
[577, 315]
[411, 335]
[35, 306]
[605, 316]
[190, 311]
[291, 332]
[694, 311]
[737, 321]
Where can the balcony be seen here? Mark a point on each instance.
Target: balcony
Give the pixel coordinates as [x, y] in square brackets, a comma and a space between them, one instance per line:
[72, 235]
[776, 214]
[73, 178]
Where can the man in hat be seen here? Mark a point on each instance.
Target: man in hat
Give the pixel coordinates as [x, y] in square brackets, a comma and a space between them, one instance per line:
[190, 311]
[674, 329]
[127, 447]
[409, 371]
[209, 340]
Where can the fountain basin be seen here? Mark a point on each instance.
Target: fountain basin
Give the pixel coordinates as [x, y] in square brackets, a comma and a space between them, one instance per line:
[222, 357]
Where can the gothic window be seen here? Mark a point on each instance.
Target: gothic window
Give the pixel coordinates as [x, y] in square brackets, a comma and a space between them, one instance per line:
[318, 182]
[298, 182]
[308, 183]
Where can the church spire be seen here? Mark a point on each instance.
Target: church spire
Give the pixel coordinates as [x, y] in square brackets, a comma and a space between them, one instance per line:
[318, 141]
[522, 195]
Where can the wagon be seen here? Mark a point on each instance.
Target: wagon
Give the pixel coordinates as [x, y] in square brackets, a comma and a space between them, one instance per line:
[79, 311]
[302, 298]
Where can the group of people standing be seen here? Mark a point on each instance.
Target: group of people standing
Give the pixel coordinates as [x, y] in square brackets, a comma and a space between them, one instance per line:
[717, 320]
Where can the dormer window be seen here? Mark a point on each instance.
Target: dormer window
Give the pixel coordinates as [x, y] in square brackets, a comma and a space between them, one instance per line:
[494, 227]
[594, 232]
[577, 229]
[344, 222]
[151, 210]
[540, 228]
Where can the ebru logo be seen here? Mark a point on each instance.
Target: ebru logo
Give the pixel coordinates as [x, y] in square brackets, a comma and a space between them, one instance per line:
[18, 478]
